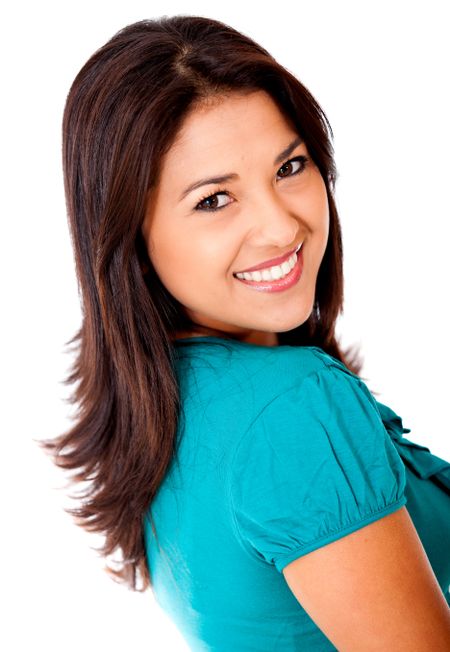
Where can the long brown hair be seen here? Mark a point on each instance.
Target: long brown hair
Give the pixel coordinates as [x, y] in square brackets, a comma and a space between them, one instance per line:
[122, 114]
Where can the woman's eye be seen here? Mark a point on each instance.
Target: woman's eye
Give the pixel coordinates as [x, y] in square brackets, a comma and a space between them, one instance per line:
[211, 199]
[210, 202]
[301, 160]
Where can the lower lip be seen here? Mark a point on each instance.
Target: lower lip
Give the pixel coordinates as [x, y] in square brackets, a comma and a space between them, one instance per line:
[283, 283]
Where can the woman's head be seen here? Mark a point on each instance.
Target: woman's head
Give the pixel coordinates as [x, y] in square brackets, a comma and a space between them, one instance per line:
[161, 105]
[166, 102]
[199, 236]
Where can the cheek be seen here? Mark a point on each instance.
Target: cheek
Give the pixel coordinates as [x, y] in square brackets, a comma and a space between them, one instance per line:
[163, 249]
[201, 251]
[179, 255]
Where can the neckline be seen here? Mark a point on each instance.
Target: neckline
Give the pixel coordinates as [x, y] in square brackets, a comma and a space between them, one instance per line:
[200, 337]
[215, 338]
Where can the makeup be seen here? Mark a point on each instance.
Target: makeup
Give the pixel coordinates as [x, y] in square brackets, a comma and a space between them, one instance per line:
[281, 284]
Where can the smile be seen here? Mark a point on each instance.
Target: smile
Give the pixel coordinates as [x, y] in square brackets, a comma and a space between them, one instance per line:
[275, 281]
[274, 273]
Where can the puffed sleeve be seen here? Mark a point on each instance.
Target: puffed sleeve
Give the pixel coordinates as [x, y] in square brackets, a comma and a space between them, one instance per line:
[316, 465]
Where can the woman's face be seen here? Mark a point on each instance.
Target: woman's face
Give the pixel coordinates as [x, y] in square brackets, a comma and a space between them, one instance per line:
[268, 206]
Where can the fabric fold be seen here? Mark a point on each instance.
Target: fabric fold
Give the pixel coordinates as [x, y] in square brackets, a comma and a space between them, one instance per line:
[428, 495]
[418, 458]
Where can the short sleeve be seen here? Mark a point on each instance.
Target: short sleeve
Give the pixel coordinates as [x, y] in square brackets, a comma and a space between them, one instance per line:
[316, 465]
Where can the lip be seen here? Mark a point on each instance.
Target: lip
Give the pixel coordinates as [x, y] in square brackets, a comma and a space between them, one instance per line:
[279, 285]
[270, 263]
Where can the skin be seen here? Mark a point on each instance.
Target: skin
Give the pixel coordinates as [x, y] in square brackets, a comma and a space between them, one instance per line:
[266, 212]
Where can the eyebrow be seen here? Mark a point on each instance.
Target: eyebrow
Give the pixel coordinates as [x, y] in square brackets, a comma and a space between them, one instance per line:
[232, 175]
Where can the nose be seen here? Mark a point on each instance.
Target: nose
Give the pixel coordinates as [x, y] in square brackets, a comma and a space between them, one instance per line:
[273, 223]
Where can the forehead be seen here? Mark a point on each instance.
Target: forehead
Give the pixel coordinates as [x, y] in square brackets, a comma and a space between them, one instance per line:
[229, 126]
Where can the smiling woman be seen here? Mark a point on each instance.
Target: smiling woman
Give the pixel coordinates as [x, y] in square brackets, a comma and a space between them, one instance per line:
[235, 460]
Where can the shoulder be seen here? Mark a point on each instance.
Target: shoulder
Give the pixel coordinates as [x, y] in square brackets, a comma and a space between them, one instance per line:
[285, 367]
[268, 386]
[298, 376]
[316, 414]
[221, 370]
[316, 463]
[279, 379]
[296, 363]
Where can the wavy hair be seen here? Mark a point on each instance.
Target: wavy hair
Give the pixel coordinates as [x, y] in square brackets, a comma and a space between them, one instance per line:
[122, 113]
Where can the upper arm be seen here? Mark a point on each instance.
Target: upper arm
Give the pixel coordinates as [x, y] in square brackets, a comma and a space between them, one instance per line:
[374, 590]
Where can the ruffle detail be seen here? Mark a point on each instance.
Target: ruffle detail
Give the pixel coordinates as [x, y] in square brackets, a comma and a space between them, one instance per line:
[417, 457]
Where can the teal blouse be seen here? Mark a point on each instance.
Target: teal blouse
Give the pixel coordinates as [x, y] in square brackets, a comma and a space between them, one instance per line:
[280, 450]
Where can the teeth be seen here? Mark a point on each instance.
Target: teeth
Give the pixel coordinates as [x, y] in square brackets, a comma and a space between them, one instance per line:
[271, 273]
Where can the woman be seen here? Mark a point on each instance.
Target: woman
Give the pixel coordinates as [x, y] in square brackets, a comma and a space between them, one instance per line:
[236, 459]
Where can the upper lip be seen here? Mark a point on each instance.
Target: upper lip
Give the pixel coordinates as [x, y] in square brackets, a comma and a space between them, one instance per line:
[272, 262]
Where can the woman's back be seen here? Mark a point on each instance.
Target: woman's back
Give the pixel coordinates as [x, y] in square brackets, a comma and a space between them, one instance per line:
[281, 452]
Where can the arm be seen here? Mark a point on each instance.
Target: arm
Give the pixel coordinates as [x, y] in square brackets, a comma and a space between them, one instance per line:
[374, 590]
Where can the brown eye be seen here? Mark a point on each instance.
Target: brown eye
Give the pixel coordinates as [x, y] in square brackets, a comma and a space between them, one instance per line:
[301, 160]
[209, 203]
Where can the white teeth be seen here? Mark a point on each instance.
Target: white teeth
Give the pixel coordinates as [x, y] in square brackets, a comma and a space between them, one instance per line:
[271, 273]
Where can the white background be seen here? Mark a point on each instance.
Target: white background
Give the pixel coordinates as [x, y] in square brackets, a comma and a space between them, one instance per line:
[380, 72]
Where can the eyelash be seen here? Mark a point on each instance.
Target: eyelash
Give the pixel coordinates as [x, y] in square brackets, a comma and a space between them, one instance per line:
[302, 159]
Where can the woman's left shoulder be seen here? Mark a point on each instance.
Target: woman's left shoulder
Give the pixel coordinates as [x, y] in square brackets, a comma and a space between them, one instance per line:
[301, 361]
